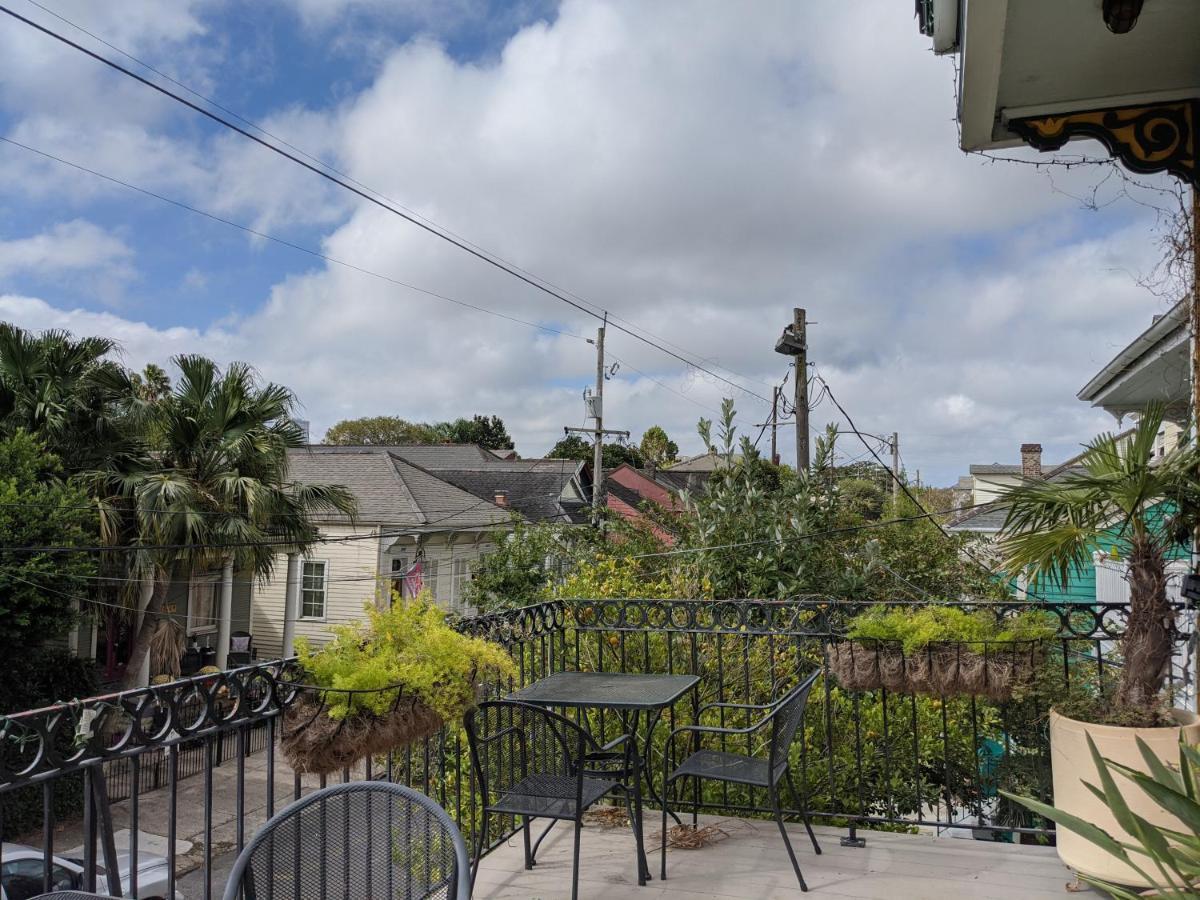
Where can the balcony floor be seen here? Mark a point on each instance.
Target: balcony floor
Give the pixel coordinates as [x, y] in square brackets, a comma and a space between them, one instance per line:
[752, 862]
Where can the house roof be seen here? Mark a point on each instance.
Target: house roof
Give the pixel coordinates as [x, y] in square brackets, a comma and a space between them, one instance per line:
[393, 491]
[702, 462]
[1154, 366]
[542, 490]
[990, 516]
[995, 469]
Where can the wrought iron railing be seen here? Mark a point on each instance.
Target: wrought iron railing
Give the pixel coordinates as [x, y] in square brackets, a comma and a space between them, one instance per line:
[872, 759]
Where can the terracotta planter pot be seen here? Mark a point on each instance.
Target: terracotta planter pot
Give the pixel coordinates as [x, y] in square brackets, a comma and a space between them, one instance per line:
[1071, 763]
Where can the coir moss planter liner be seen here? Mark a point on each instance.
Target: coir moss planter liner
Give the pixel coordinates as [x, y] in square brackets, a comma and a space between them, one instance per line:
[313, 741]
[989, 669]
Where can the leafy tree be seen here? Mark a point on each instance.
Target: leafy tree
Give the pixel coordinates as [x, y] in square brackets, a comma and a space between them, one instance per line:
[216, 489]
[575, 447]
[39, 509]
[1119, 498]
[656, 448]
[571, 447]
[486, 431]
[152, 384]
[381, 431]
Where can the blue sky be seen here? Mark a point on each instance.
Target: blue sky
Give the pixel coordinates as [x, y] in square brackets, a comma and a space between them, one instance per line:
[694, 168]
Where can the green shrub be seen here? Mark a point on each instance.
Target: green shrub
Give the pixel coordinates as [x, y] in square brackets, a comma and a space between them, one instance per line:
[408, 645]
[916, 629]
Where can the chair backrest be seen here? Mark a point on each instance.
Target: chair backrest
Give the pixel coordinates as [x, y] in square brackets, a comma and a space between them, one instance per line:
[786, 719]
[240, 641]
[363, 840]
[511, 741]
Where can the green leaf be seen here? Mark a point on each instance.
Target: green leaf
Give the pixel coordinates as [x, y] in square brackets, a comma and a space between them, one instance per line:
[1173, 801]
[1158, 769]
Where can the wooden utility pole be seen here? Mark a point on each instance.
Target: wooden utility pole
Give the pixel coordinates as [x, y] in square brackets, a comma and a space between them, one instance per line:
[598, 449]
[774, 425]
[800, 331]
[1196, 304]
[895, 468]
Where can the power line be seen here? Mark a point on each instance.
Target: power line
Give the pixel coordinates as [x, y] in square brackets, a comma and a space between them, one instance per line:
[323, 256]
[847, 529]
[371, 197]
[283, 242]
[908, 493]
[350, 178]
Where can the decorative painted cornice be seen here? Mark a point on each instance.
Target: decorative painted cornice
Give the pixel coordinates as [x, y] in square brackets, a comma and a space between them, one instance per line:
[1163, 137]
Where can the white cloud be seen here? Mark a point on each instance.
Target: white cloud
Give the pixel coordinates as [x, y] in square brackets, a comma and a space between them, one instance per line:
[69, 252]
[698, 169]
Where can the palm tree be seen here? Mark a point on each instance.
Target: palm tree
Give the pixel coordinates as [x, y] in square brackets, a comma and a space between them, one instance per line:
[214, 492]
[68, 392]
[1126, 496]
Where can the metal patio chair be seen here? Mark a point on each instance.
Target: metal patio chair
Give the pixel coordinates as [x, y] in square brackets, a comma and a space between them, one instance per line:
[783, 716]
[364, 839]
[533, 763]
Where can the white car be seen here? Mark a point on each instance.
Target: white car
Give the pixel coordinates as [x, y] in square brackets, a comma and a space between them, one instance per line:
[21, 874]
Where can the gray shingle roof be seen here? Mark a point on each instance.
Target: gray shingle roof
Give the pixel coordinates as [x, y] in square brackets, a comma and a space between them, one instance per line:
[991, 516]
[995, 469]
[542, 490]
[393, 491]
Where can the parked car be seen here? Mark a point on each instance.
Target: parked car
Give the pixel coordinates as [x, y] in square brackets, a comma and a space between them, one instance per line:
[21, 874]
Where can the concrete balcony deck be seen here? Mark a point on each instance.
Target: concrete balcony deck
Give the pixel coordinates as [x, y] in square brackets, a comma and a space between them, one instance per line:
[752, 862]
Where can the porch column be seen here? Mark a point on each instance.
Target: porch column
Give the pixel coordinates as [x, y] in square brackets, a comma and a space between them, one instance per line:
[291, 605]
[225, 617]
[144, 594]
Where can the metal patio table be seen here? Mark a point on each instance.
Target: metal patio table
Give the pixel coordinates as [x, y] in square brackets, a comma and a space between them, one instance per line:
[626, 694]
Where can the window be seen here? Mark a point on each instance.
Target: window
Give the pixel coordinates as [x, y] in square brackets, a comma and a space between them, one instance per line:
[459, 580]
[22, 879]
[313, 589]
[202, 604]
[431, 577]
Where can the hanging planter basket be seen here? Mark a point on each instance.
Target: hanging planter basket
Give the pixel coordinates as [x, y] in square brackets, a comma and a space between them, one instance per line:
[315, 741]
[990, 669]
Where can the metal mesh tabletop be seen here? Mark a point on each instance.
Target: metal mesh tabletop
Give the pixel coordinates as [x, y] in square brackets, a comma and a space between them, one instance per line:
[607, 690]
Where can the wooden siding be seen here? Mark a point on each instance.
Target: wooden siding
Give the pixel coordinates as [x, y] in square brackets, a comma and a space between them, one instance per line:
[355, 576]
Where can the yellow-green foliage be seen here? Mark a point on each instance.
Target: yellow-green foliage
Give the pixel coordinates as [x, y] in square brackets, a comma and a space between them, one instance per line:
[612, 577]
[409, 648]
[918, 628]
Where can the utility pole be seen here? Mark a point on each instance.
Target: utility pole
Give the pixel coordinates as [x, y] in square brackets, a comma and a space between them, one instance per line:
[594, 409]
[774, 424]
[895, 468]
[794, 343]
[1196, 303]
[800, 330]
[598, 449]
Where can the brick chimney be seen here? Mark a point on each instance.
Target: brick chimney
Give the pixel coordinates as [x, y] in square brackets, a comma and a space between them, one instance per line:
[1031, 460]
[502, 498]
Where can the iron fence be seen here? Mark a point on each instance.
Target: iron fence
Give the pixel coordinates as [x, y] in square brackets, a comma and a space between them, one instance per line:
[864, 759]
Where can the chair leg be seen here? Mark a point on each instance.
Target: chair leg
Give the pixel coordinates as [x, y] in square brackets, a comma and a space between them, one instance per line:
[802, 805]
[480, 843]
[665, 811]
[774, 792]
[528, 849]
[575, 860]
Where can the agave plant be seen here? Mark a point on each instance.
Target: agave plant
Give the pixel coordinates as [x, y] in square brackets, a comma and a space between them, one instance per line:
[1165, 858]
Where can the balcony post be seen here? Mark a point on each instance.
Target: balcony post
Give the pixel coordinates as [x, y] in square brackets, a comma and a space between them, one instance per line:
[291, 605]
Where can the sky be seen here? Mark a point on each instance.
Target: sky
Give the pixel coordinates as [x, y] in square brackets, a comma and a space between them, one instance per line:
[696, 169]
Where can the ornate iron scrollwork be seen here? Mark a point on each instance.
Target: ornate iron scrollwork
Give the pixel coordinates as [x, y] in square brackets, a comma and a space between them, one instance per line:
[1164, 137]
